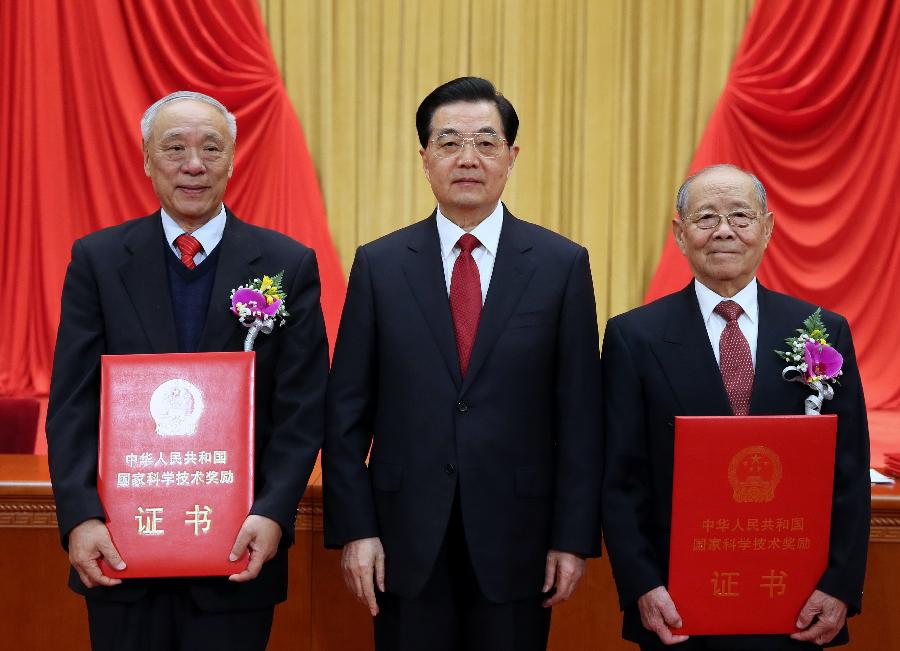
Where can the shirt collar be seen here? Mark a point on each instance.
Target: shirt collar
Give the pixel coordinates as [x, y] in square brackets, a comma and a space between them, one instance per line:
[209, 235]
[487, 232]
[747, 298]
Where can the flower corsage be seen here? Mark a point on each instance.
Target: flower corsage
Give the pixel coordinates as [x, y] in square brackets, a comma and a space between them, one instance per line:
[258, 305]
[812, 361]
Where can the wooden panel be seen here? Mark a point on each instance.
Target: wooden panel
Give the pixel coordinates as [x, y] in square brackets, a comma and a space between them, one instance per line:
[590, 620]
[293, 618]
[40, 612]
[339, 621]
[878, 627]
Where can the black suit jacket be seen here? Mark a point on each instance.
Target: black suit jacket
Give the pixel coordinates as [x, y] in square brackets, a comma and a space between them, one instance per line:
[520, 435]
[116, 301]
[658, 364]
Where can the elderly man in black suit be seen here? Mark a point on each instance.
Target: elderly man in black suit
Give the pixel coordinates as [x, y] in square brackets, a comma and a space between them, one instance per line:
[161, 284]
[667, 359]
[467, 359]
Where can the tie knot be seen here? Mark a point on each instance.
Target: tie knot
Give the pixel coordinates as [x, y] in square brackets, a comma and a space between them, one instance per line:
[188, 245]
[729, 310]
[467, 243]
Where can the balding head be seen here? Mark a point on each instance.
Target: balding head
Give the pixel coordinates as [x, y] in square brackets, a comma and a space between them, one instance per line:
[758, 188]
[723, 227]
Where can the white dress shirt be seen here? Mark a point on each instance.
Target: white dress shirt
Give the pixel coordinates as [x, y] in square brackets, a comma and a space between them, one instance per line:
[209, 235]
[484, 255]
[748, 322]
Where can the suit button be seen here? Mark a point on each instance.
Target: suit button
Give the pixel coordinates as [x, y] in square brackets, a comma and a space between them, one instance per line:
[462, 407]
[450, 469]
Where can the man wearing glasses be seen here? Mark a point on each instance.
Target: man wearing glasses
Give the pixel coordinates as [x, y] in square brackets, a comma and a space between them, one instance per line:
[467, 360]
[708, 350]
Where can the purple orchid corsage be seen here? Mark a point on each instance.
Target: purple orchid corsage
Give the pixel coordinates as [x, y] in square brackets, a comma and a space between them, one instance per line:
[812, 361]
[258, 305]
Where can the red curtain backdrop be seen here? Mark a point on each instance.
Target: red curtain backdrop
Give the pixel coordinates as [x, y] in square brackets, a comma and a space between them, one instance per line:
[812, 107]
[75, 78]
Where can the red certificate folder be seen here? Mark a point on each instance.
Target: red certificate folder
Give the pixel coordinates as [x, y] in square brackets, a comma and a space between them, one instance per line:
[751, 514]
[175, 471]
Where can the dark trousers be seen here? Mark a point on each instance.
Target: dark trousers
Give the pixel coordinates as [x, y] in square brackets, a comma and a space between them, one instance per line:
[167, 620]
[452, 614]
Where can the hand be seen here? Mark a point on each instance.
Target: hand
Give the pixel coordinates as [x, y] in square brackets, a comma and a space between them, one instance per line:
[827, 615]
[563, 570]
[261, 535]
[658, 614]
[361, 560]
[88, 542]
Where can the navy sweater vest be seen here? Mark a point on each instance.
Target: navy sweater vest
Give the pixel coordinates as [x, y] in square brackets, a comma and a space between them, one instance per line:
[190, 290]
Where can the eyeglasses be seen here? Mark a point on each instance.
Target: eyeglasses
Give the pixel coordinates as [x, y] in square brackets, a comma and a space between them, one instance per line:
[488, 145]
[706, 219]
[179, 153]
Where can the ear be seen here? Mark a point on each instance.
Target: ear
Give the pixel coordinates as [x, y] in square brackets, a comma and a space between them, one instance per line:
[146, 159]
[513, 153]
[678, 233]
[768, 225]
[425, 164]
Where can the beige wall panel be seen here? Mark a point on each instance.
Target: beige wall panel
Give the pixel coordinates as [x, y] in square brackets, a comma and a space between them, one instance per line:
[613, 96]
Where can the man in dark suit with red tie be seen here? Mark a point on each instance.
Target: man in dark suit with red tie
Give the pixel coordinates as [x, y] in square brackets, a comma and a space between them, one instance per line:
[708, 350]
[467, 361]
[162, 284]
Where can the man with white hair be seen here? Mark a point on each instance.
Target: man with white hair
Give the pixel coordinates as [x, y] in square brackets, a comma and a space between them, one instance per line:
[709, 350]
[161, 284]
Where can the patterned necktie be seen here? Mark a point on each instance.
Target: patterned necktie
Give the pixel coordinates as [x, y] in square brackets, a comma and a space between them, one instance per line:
[735, 361]
[189, 247]
[465, 299]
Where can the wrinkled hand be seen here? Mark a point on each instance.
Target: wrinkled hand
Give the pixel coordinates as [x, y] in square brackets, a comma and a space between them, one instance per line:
[362, 560]
[827, 615]
[658, 613]
[563, 570]
[89, 542]
[261, 535]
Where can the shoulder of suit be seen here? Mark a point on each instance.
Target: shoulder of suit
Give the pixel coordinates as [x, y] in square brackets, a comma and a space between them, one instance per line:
[543, 240]
[416, 234]
[422, 228]
[651, 312]
[118, 232]
[791, 306]
[543, 234]
[268, 238]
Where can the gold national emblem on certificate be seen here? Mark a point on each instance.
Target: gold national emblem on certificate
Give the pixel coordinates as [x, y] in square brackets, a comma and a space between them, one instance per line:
[754, 472]
[176, 406]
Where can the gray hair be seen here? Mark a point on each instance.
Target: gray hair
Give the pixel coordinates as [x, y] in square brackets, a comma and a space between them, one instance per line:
[150, 113]
[681, 198]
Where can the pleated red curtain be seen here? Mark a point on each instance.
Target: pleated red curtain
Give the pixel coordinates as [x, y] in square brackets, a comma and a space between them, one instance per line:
[75, 78]
[812, 107]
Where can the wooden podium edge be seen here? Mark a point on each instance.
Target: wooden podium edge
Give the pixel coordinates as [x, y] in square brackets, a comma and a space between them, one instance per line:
[26, 496]
[26, 500]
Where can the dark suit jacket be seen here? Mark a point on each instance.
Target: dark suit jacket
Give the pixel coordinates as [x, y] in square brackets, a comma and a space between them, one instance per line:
[116, 301]
[520, 435]
[658, 364]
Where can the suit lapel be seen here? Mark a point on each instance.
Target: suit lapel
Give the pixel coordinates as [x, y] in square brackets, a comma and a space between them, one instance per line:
[688, 361]
[511, 274]
[237, 255]
[771, 394]
[151, 300]
[424, 272]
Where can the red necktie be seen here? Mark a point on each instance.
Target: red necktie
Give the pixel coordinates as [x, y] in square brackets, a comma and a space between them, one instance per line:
[735, 361]
[189, 247]
[465, 299]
